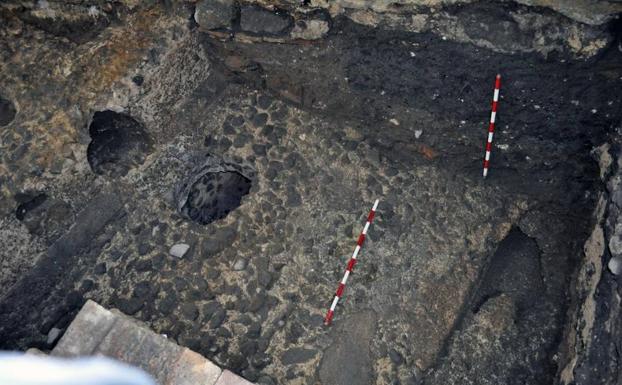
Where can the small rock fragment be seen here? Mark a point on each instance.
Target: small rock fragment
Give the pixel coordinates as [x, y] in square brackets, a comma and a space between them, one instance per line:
[615, 265]
[418, 133]
[217, 319]
[36, 352]
[53, 336]
[130, 306]
[179, 250]
[239, 265]
[214, 14]
[190, 311]
[100, 269]
[262, 21]
[310, 29]
[396, 357]
[394, 121]
[615, 243]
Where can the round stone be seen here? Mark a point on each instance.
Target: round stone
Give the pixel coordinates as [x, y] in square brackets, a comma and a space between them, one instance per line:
[214, 14]
[179, 250]
[396, 357]
[615, 265]
[239, 265]
[53, 336]
[190, 311]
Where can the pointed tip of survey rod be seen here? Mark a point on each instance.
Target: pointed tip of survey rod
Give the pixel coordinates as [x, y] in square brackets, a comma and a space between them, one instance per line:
[376, 204]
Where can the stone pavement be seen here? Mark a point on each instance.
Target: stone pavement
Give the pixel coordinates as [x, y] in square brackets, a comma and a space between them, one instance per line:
[98, 331]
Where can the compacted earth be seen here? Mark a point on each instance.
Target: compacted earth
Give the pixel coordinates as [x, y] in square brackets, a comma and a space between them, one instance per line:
[206, 167]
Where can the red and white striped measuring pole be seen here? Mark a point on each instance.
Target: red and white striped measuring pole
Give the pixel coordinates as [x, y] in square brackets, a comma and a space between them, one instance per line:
[351, 263]
[491, 126]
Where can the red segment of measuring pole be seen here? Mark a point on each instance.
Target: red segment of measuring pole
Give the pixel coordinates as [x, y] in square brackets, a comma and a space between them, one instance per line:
[351, 263]
[361, 240]
[491, 125]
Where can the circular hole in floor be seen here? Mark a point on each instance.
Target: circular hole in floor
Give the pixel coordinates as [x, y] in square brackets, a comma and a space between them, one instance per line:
[215, 195]
[119, 143]
[213, 186]
[7, 111]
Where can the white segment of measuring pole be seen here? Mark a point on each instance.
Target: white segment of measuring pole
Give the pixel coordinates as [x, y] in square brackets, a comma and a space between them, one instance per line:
[345, 277]
[334, 304]
[356, 251]
[366, 227]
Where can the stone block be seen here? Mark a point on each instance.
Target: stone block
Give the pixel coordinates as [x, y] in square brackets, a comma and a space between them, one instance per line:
[97, 331]
[128, 342]
[191, 368]
[229, 378]
[86, 332]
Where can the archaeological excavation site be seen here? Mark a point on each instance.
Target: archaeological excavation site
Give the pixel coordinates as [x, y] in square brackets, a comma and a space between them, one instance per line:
[186, 186]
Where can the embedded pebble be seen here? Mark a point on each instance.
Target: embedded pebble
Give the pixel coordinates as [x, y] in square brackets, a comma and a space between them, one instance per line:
[179, 250]
[53, 336]
[396, 357]
[263, 21]
[214, 14]
[615, 265]
[240, 264]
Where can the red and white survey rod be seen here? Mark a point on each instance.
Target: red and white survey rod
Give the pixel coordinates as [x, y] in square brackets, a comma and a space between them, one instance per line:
[491, 126]
[351, 263]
